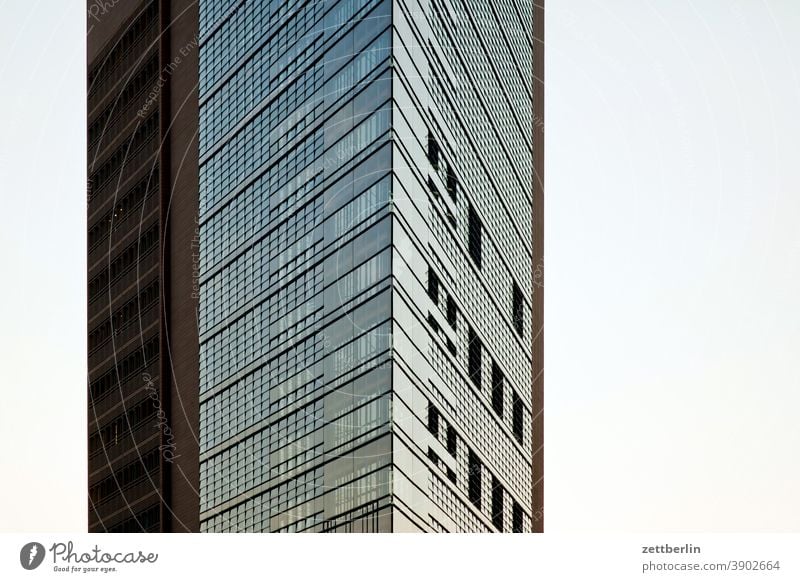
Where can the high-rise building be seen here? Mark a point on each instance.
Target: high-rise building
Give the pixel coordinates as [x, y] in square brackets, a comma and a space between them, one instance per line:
[362, 179]
[141, 218]
[367, 294]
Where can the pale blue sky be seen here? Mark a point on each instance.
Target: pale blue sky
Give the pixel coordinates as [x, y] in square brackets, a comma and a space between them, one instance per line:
[673, 332]
[672, 247]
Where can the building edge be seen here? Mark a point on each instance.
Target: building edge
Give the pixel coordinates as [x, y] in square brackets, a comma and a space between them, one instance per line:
[537, 523]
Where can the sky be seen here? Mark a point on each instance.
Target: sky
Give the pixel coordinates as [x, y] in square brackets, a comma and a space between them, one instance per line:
[672, 266]
[42, 254]
[672, 246]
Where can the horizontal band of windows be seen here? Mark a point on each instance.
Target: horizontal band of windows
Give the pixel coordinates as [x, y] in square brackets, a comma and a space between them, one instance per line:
[102, 171]
[254, 293]
[286, 151]
[213, 14]
[337, 258]
[146, 520]
[140, 35]
[361, 316]
[343, 471]
[333, 26]
[128, 258]
[125, 106]
[369, 135]
[215, 117]
[129, 313]
[120, 426]
[145, 189]
[373, 272]
[232, 43]
[268, 71]
[125, 477]
[126, 368]
[263, 118]
[274, 451]
[252, 202]
[224, 422]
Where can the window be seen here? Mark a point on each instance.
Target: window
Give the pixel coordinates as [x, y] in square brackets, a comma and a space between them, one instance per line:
[433, 189]
[517, 309]
[474, 237]
[146, 520]
[452, 312]
[516, 518]
[451, 441]
[474, 358]
[433, 420]
[474, 481]
[516, 418]
[433, 152]
[433, 323]
[497, 389]
[497, 504]
[433, 456]
[433, 286]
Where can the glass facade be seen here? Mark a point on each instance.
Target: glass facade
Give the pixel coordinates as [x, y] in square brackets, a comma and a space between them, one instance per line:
[295, 301]
[365, 277]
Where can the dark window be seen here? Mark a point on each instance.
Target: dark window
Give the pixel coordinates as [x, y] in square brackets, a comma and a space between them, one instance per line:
[113, 218]
[451, 440]
[433, 189]
[497, 504]
[130, 364]
[474, 482]
[451, 347]
[497, 389]
[452, 311]
[433, 420]
[124, 316]
[516, 518]
[433, 323]
[433, 286]
[474, 237]
[133, 472]
[451, 475]
[127, 258]
[121, 426]
[516, 418]
[517, 309]
[146, 520]
[433, 456]
[474, 358]
[433, 152]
